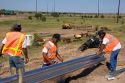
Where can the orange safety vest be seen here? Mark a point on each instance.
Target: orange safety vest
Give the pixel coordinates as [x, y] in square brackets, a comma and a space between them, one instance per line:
[51, 51]
[112, 43]
[14, 43]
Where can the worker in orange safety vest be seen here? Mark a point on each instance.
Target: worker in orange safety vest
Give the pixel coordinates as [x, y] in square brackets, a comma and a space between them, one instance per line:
[110, 44]
[14, 45]
[50, 51]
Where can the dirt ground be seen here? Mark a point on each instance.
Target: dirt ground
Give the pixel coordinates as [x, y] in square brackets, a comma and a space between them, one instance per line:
[69, 51]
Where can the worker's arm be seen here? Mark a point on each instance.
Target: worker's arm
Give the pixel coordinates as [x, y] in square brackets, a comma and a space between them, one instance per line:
[46, 58]
[59, 57]
[101, 49]
[3, 43]
[1, 50]
[25, 51]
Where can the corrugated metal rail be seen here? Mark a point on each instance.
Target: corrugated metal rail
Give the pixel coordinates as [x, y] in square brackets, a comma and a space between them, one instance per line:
[42, 74]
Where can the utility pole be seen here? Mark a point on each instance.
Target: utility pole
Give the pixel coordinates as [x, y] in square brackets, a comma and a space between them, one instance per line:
[54, 5]
[118, 11]
[47, 9]
[98, 8]
[36, 6]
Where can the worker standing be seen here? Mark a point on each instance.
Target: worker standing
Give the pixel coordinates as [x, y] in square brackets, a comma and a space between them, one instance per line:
[14, 45]
[110, 44]
[50, 51]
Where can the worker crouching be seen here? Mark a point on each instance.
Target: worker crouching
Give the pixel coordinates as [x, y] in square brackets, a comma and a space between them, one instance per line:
[50, 51]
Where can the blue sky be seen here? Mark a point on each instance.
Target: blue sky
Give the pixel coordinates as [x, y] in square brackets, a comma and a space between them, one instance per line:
[84, 6]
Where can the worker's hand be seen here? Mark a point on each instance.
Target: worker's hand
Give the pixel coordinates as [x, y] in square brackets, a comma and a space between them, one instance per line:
[49, 62]
[54, 62]
[26, 60]
[62, 60]
[98, 53]
[1, 55]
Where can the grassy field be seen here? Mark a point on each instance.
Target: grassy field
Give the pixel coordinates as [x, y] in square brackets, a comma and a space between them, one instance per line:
[52, 22]
[68, 51]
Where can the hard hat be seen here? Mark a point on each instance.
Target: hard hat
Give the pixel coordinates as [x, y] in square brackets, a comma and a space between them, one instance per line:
[57, 36]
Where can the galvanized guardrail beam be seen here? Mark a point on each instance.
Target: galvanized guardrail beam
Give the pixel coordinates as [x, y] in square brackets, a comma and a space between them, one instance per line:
[45, 73]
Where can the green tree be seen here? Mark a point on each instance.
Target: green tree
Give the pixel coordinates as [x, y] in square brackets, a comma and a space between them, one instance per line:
[102, 16]
[43, 18]
[38, 16]
[30, 17]
[55, 14]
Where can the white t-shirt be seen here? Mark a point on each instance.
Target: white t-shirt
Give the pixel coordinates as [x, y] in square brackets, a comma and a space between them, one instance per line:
[45, 50]
[23, 46]
[106, 41]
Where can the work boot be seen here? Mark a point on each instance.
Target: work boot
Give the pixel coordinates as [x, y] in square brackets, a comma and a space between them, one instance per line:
[111, 77]
[107, 75]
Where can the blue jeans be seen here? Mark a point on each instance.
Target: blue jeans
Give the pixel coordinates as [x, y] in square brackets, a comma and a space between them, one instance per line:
[16, 62]
[46, 65]
[113, 60]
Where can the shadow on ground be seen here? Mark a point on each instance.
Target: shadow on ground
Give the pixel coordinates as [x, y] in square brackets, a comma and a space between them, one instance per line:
[84, 73]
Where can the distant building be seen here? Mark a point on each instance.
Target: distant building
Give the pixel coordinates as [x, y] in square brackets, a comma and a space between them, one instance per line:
[7, 12]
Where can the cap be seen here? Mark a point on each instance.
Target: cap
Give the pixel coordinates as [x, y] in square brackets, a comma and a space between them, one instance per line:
[16, 27]
[57, 36]
[100, 32]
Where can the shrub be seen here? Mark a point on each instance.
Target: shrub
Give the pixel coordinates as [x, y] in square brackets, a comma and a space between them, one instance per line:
[85, 16]
[30, 17]
[90, 16]
[38, 16]
[82, 17]
[96, 16]
[58, 20]
[55, 14]
[102, 16]
[120, 16]
[43, 18]
[70, 15]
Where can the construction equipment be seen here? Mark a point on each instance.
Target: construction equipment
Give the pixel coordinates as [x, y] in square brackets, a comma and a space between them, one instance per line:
[66, 26]
[45, 73]
[92, 42]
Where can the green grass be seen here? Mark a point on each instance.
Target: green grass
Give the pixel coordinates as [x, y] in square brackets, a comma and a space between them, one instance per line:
[38, 25]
